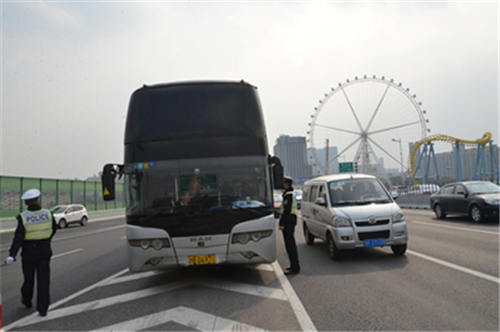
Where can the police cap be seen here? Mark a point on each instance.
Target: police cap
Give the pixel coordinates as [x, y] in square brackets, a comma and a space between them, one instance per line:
[30, 194]
[287, 179]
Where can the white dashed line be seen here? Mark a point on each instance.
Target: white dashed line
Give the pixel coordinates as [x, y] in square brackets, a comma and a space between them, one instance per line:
[454, 227]
[460, 268]
[67, 253]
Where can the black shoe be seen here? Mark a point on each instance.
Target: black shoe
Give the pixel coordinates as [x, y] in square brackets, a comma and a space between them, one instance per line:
[42, 313]
[288, 268]
[291, 272]
[27, 304]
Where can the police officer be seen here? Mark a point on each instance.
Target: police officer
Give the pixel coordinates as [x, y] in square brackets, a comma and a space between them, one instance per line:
[288, 221]
[35, 229]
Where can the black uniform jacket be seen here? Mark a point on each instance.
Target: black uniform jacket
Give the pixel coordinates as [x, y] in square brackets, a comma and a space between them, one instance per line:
[32, 248]
[286, 218]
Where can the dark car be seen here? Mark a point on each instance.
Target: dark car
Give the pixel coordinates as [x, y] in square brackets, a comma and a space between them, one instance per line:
[478, 199]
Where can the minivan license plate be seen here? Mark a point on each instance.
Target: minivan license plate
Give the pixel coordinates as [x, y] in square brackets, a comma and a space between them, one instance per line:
[375, 243]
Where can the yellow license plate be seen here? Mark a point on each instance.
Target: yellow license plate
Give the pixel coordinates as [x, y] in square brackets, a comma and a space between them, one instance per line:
[201, 260]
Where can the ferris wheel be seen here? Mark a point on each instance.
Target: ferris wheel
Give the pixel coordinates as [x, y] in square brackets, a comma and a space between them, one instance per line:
[363, 119]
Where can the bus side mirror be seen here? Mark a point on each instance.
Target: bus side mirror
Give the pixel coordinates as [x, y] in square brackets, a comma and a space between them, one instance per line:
[277, 170]
[108, 181]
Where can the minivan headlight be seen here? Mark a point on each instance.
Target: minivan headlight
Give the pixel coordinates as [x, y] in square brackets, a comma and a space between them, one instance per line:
[340, 221]
[398, 217]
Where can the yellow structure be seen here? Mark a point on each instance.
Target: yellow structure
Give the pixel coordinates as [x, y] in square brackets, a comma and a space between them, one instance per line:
[445, 138]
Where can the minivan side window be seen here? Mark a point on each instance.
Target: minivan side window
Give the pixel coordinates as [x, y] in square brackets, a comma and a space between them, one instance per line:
[305, 194]
[314, 194]
[322, 192]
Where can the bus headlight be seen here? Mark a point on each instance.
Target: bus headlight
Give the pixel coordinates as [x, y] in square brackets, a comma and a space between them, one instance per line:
[398, 217]
[340, 221]
[244, 238]
[153, 243]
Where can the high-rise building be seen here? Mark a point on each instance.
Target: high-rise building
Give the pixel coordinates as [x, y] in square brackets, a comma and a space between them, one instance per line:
[292, 151]
[321, 154]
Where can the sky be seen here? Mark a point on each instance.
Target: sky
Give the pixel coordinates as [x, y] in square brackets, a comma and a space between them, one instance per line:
[68, 69]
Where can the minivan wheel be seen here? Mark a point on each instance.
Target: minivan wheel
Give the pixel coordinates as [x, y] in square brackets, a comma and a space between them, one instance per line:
[475, 213]
[332, 248]
[83, 221]
[399, 249]
[439, 212]
[308, 236]
[63, 223]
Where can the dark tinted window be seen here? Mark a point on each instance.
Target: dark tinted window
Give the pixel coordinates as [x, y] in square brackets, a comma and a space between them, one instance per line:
[447, 190]
[459, 189]
[187, 110]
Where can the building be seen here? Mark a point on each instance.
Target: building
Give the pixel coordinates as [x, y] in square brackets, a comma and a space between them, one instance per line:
[292, 151]
[318, 170]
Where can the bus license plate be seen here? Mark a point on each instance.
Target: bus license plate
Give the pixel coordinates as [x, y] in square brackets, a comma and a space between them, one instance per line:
[201, 260]
[375, 243]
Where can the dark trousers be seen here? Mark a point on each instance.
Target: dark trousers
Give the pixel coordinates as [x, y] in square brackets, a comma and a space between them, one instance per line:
[41, 267]
[291, 246]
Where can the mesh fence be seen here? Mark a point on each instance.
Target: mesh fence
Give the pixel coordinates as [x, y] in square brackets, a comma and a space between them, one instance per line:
[55, 192]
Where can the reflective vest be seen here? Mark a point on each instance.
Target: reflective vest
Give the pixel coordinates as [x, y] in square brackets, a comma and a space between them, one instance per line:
[293, 211]
[37, 224]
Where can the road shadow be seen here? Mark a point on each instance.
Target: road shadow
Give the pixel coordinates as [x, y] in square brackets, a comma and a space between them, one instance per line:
[316, 261]
[455, 219]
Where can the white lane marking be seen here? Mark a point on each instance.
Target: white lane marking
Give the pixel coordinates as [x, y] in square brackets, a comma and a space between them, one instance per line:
[22, 321]
[106, 218]
[67, 253]
[101, 303]
[475, 273]
[454, 227]
[194, 319]
[249, 289]
[300, 312]
[11, 230]
[134, 276]
[56, 238]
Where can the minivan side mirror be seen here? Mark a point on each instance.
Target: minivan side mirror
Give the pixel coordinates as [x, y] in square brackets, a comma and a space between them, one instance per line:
[320, 201]
[108, 181]
[277, 170]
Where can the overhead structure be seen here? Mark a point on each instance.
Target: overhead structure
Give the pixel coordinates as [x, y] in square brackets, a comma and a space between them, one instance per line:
[480, 168]
[351, 120]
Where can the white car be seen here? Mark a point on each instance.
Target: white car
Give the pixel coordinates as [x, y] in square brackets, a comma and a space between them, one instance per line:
[351, 211]
[70, 214]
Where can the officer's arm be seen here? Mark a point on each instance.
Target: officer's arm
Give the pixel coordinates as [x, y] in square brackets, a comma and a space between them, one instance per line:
[17, 242]
[54, 227]
[288, 205]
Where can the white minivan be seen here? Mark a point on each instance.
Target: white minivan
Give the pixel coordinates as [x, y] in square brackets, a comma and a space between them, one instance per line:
[351, 211]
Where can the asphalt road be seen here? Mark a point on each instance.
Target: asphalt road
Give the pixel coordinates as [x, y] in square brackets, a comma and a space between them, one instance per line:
[447, 281]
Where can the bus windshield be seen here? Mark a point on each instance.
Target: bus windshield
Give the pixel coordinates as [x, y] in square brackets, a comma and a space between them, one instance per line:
[169, 192]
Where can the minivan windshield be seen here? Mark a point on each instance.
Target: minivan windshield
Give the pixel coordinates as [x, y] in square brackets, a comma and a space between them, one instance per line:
[357, 192]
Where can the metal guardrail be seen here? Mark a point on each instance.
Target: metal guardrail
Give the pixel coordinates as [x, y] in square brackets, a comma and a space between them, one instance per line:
[55, 192]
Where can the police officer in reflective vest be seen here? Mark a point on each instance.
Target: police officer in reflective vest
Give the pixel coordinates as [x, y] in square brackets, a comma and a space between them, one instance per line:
[35, 229]
[288, 221]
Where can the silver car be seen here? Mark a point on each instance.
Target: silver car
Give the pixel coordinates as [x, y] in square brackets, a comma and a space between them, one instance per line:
[351, 211]
[70, 214]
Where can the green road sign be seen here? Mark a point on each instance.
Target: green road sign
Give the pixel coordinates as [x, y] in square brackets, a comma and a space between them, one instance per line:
[346, 167]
